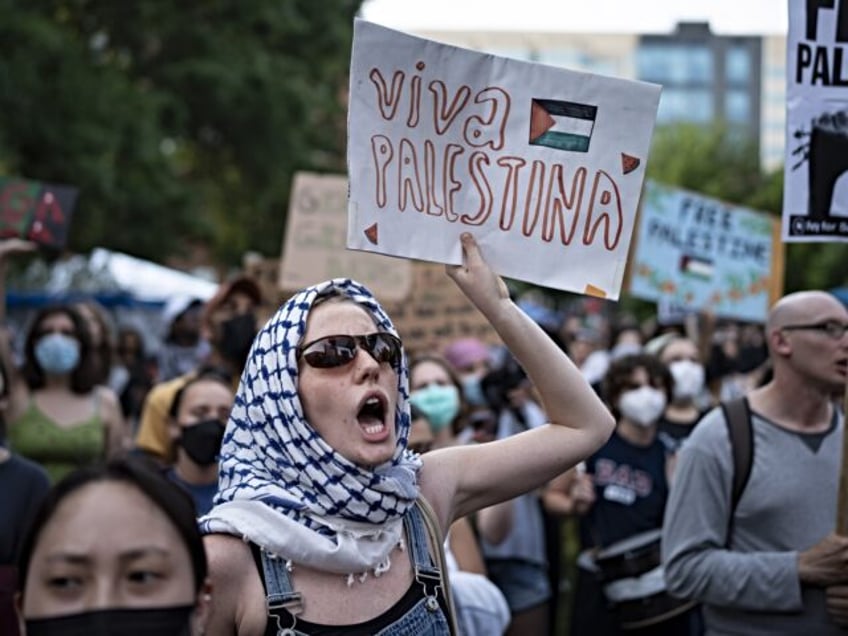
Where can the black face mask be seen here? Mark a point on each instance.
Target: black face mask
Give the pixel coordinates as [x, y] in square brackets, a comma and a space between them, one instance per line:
[202, 441]
[237, 335]
[158, 621]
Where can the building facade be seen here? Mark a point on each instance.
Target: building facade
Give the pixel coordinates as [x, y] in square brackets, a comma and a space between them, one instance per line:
[737, 80]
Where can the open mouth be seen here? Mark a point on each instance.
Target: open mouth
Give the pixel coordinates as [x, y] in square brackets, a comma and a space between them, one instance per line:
[372, 415]
[842, 366]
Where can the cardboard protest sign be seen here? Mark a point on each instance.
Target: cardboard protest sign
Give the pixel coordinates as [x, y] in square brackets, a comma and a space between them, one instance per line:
[693, 252]
[436, 313]
[543, 165]
[314, 248]
[35, 211]
[815, 191]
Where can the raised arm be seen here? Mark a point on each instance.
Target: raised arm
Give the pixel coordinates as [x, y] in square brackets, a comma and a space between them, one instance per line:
[461, 480]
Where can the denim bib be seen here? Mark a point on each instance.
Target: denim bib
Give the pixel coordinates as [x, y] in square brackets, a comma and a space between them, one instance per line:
[426, 617]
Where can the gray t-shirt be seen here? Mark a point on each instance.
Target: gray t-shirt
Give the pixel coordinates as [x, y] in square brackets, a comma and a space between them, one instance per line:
[788, 505]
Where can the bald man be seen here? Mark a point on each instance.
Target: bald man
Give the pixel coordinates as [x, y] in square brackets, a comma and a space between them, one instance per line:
[771, 568]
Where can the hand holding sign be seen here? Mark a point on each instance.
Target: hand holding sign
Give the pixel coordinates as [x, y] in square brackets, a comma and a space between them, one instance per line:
[12, 246]
[476, 279]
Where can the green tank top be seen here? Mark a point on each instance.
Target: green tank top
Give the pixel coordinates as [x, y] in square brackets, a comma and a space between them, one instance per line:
[59, 449]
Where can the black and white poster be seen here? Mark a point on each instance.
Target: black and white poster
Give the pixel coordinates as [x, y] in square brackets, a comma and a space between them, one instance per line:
[815, 195]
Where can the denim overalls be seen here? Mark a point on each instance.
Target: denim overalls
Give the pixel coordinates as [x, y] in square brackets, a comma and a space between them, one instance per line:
[425, 618]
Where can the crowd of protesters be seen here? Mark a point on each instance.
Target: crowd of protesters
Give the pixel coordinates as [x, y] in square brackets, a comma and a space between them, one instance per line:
[125, 434]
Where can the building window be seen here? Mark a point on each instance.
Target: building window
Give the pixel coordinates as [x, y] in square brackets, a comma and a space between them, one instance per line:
[675, 64]
[737, 106]
[737, 66]
[685, 104]
[579, 61]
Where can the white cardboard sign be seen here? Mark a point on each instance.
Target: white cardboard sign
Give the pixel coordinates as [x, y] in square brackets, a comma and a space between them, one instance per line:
[543, 165]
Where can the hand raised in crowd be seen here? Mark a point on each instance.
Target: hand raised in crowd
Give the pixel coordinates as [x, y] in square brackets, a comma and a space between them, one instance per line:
[11, 246]
[582, 492]
[825, 563]
[571, 493]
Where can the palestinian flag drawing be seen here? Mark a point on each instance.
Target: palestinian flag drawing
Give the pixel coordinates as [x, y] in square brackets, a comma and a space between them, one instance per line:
[561, 125]
[696, 267]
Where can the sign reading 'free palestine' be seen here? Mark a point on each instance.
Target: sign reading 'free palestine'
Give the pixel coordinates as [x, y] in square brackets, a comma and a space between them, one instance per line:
[543, 165]
[697, 253]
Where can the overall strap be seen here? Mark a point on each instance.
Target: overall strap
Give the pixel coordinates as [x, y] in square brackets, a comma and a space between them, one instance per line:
[416, 533]
[280, 597]
[422, 524]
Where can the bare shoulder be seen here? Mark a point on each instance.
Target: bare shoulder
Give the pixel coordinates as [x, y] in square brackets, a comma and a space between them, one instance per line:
[107, 395]
[239, 599]
[438, 480]
[226, 551]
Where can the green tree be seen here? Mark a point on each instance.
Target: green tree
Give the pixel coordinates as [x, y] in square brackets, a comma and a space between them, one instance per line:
[179, 122]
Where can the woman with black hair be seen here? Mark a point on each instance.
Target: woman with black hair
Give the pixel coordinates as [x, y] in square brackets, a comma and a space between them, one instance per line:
[114, 549]
[59, 416]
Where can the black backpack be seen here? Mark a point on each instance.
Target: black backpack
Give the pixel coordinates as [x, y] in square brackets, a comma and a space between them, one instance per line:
[737, 415]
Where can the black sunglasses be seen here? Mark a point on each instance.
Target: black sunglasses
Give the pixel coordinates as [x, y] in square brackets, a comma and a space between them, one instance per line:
[337, 351]
[832, 328]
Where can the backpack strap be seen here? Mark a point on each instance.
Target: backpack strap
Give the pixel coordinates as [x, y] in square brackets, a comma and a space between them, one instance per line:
[737, 416]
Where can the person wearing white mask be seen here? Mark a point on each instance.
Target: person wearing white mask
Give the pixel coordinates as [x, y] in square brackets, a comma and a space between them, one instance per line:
[622, 491]
[685, 408]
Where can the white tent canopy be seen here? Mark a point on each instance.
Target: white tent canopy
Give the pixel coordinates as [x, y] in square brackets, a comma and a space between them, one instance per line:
[148, 281]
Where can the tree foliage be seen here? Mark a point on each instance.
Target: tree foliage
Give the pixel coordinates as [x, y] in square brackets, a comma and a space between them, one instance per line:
[180, 122]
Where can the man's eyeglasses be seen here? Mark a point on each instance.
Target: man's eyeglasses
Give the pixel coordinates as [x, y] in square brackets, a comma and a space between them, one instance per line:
[337, 351]
[832, 328]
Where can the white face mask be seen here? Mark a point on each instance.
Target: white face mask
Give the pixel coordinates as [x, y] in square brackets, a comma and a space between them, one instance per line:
[688, 379]
[642, 406]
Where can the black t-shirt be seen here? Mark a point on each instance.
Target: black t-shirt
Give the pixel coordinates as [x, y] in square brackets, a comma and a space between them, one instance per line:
[673, 433]
[630, 490]
[23, 486]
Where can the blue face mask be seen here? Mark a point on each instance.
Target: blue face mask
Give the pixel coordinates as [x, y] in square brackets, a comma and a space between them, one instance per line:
[57, 353]
[472, 389]
[440, 404]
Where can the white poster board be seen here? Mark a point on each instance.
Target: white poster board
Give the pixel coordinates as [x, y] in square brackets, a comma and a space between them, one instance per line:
[543, 165]
[815, 191]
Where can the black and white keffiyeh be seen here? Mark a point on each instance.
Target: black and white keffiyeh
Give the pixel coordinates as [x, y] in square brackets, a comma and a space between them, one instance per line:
[281, 485]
